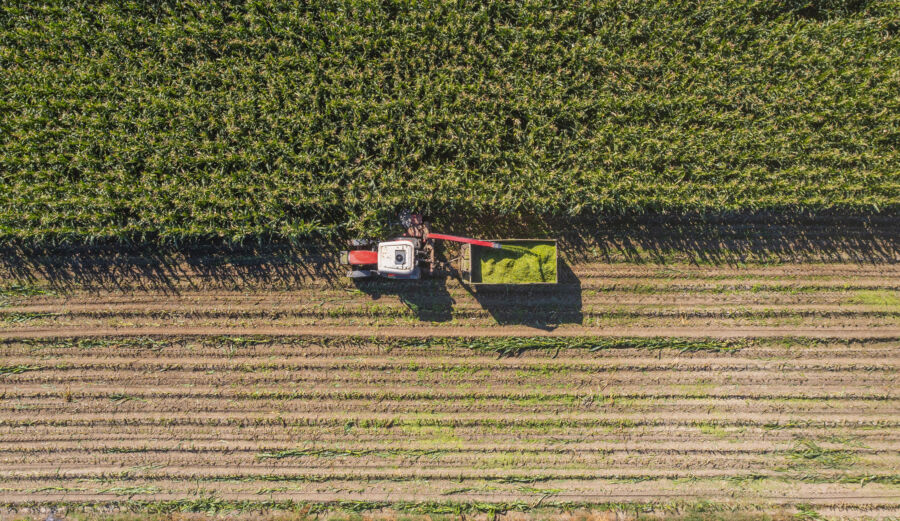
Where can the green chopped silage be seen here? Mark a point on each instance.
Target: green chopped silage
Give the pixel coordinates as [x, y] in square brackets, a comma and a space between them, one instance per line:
[520, 263]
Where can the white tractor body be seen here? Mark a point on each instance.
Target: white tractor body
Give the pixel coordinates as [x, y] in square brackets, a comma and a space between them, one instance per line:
[397, 257]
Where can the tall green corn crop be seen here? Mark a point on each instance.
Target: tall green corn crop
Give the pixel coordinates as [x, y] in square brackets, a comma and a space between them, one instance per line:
[193, 120]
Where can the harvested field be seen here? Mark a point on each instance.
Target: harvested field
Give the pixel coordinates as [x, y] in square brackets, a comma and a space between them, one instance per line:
[438, 419]
[731, 387]
[596, 298]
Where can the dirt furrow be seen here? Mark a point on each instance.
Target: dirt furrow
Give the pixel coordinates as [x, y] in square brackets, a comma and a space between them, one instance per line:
[806, 302]
[647, 361]
[349, 312]
[699, 435]
[120, 404]
[698, 382]
[352, 445]
[548, 394]
[418, 331]
[422, 418]
[443, 350]
[461, 464]
[224, 473]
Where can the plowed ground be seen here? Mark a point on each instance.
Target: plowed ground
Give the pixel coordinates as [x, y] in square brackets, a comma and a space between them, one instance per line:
[746, 385]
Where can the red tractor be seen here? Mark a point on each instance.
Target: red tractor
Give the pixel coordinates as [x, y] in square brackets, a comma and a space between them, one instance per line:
[404, 257]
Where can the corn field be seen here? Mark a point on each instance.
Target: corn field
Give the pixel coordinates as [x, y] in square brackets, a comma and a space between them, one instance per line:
[183, 121]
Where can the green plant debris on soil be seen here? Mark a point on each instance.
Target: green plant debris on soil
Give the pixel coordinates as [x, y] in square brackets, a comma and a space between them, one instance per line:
[503, 344]
[881, 298]
[212, 504]
[514, 346]
[521, 263]
[17, 369]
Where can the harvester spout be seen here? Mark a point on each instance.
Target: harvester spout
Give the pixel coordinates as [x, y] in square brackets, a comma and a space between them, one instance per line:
[465, 240]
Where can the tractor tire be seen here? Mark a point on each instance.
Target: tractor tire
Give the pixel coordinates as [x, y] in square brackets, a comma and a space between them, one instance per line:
[361, 243]
[361, 274]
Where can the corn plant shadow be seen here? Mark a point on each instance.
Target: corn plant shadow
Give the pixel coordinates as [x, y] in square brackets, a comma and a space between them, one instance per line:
[787, 236]
[769, 238]
[544, 306]
[736, 240]
[171, 270]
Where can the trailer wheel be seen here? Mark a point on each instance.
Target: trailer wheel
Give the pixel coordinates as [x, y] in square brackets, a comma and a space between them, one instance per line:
[360, 274]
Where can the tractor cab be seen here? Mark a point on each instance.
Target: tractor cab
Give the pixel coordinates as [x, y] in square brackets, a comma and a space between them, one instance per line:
[395, 259]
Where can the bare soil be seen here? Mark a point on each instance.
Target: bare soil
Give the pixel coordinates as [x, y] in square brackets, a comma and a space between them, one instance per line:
[326, 420]
[116, 384]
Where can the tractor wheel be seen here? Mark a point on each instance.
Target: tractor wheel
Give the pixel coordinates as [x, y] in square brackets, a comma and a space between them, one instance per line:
[361, 243]
[360, 274]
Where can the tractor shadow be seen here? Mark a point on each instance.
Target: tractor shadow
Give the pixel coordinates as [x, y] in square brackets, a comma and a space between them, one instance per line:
[543, 307]
[428, 298]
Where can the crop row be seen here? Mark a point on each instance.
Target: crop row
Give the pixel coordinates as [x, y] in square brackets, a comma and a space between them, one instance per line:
[460, 348]
[470, 397]
[509, 345]
[388, 421]
[410, 372]
[389, 311]
[351, 434]
[214, 505]
[198, 120]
